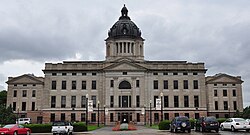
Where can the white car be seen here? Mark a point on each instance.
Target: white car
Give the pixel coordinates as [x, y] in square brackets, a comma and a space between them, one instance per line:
[235, 124]
[23, 121]
[61, 127]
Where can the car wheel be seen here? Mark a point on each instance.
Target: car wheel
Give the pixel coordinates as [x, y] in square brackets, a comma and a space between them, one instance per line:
[15, 133]
[232, 129]
[222, 128]
[28, 133]
[175, 130]
[203, 129]
[217, 130]
[247, 130]
[189, 130]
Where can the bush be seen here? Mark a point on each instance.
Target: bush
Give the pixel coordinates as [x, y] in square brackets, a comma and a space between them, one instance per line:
[220, 120]
[164, 125]
[79, 127]
[39, 128]
[192, 122]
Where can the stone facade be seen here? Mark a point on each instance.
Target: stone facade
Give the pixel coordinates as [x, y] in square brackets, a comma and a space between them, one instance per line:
[125, 85]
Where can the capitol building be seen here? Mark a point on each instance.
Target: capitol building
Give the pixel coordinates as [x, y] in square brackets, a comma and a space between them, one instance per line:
[124, 87]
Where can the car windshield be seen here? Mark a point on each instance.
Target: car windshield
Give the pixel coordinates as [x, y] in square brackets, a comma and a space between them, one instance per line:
[239, 120]
[182, 119]
[211, 119]
[9, 126]
[59, 124]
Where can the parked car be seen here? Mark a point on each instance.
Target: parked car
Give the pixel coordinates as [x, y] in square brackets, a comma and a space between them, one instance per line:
[248, 120]
[23, 121]
[235, 124]
[207, 124]
[180, 123]
[61, 127]
[14, 129]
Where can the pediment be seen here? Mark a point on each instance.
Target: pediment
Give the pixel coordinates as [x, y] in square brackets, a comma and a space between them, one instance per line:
[124, 66]
[223, 78]
[24, 79]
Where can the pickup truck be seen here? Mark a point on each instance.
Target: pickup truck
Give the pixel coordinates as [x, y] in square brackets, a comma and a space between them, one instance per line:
[61, 127]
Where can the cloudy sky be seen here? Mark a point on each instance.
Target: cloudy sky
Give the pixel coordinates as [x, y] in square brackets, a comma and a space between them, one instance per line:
[33, 32]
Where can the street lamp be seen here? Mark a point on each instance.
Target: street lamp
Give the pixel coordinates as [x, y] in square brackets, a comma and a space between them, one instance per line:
[17, 115]
[228, 111]
[104, 115]
[150, 102]
[144, 114]
[98, 102]
[87, 96]
[161, 94]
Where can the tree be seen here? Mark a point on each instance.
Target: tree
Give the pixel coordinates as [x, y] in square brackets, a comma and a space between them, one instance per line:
[246, 112]
[3, 97]
[7, 116]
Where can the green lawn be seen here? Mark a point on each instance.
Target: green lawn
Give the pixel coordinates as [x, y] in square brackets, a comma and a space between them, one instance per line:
[154, 126]
[93, 127]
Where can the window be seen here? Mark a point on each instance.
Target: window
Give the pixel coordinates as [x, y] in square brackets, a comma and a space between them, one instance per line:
[33, 106]
[124, 85]
[155, 73]
[93, 117]
[215, 84]
[63, 85]
[53, 74]
[14, 93]
[84, 85]
[185, 73]
[64, 74]
[137, 101]
[73, 85]
[165, 84]
[156, 117]
[94, 101]
[155, 97]
[138, 117]
[73, 117]
[111, 101]
[176, 114]
[33, 84]
[234, 92]
[53, 85]
[53, 102]
[63, 101]
[24, 93]
[93, 85]
[93, 74]
[73, 101]
[166, 116]
[233, 84]
[52, 117]
[186, 101]
[84, 74]
[120, 47]
[74, 74]
[185, 84]
[124, 73]
[33, 93]
[187, 115]
[196, 86]
[62, 116]
[111, 117]
[224, 93]
[175, 84]
[25, 85]
[137, 83]
[235, 105]
[216, 105]
[196, 115]
[217, 116]
[224, 84]
[155, 84]
[195, 73]
[165, 73]
[23, 106]
[15, 85]
[225, 105]
[14, 106]
[176, 101]
[215, 93]
[83, 102]
[196, 101]
[166, 101]
[111, 83]
[83, 116]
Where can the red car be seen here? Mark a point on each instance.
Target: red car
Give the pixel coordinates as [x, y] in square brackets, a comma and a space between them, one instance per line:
[14, 129]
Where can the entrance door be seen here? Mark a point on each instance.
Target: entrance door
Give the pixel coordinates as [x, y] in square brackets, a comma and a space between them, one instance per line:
[125, 117]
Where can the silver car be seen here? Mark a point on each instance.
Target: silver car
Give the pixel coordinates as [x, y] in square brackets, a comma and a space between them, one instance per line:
[235, 124]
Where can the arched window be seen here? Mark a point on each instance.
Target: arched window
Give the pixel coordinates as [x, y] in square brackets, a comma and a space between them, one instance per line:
[124, 85]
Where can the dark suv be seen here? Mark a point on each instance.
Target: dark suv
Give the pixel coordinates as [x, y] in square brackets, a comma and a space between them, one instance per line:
[207, 124]
[180, 123]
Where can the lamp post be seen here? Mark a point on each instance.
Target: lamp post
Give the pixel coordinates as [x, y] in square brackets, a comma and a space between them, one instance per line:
[98, 102]
[144, 114]
[104, 115]
[17, 115]
[150, 123]
[161, 94]
[228, 111]
[87, 96]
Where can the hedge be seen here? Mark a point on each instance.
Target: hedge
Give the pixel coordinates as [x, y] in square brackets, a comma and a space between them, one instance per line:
[79, 127]
[39, 128]
[164, 125]
[220, 120]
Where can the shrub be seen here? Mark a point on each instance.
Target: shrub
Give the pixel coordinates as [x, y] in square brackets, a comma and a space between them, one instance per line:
[192, 122]
[39, 128]
[220, 120]
[164, 125]
[79, 127]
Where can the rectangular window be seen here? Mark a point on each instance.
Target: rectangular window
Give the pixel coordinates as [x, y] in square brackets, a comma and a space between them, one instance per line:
[175, 84]
[165, 84]
[52, 117]
[175, 73]
[14, 93]
[23, 106]
[155, 84]
[224, 93]
[33, 93]
[83, 116]
[156, 117]
[64, 74]
[73, 85]
[215, 84]
[185, 84]
[73, 117]
[73, 101]
[111, 117]
[186, 101]
[234, 92]
[128, 47]
[215, 93]
[120, 47]
[94, 101]
[111, 101]
[155, 73]
[24, 93]
[83, 102]
[195, 73]
[216, 107]
[155, 97]
[111, 83]
[225, 105]
[124, 73]
[187, 115]
[166, 116]
[93, 117]
[176, 101]
[196, 86]
[64, 85]
[84, 85]
[93, 85]
[196, 115]
[235, 105]
[62, 116]
[176, 114]
[124, 47]
[137, 83]
[53, 85]
[137, 101]
[63, 101]
[165, 73]
[84, 74]
[224, 84]
[166, 101]
[185, 73]
[53, 74]
[93, 74]
[53, 102]
[33, 106]
[138, 117]
[73, 74]
[196, 101]
[14, 106]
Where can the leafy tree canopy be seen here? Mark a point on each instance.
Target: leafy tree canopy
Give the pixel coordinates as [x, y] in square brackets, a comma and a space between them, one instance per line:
[3, 97]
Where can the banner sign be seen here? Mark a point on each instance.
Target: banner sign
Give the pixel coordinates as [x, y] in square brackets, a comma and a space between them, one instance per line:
[142, 111]
[158, 104]
[90, 105]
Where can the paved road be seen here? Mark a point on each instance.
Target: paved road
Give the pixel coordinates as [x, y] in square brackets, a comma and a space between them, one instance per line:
[147, 131]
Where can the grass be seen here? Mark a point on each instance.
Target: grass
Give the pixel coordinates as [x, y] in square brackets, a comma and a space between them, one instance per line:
[154, 126]
[94, 127]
